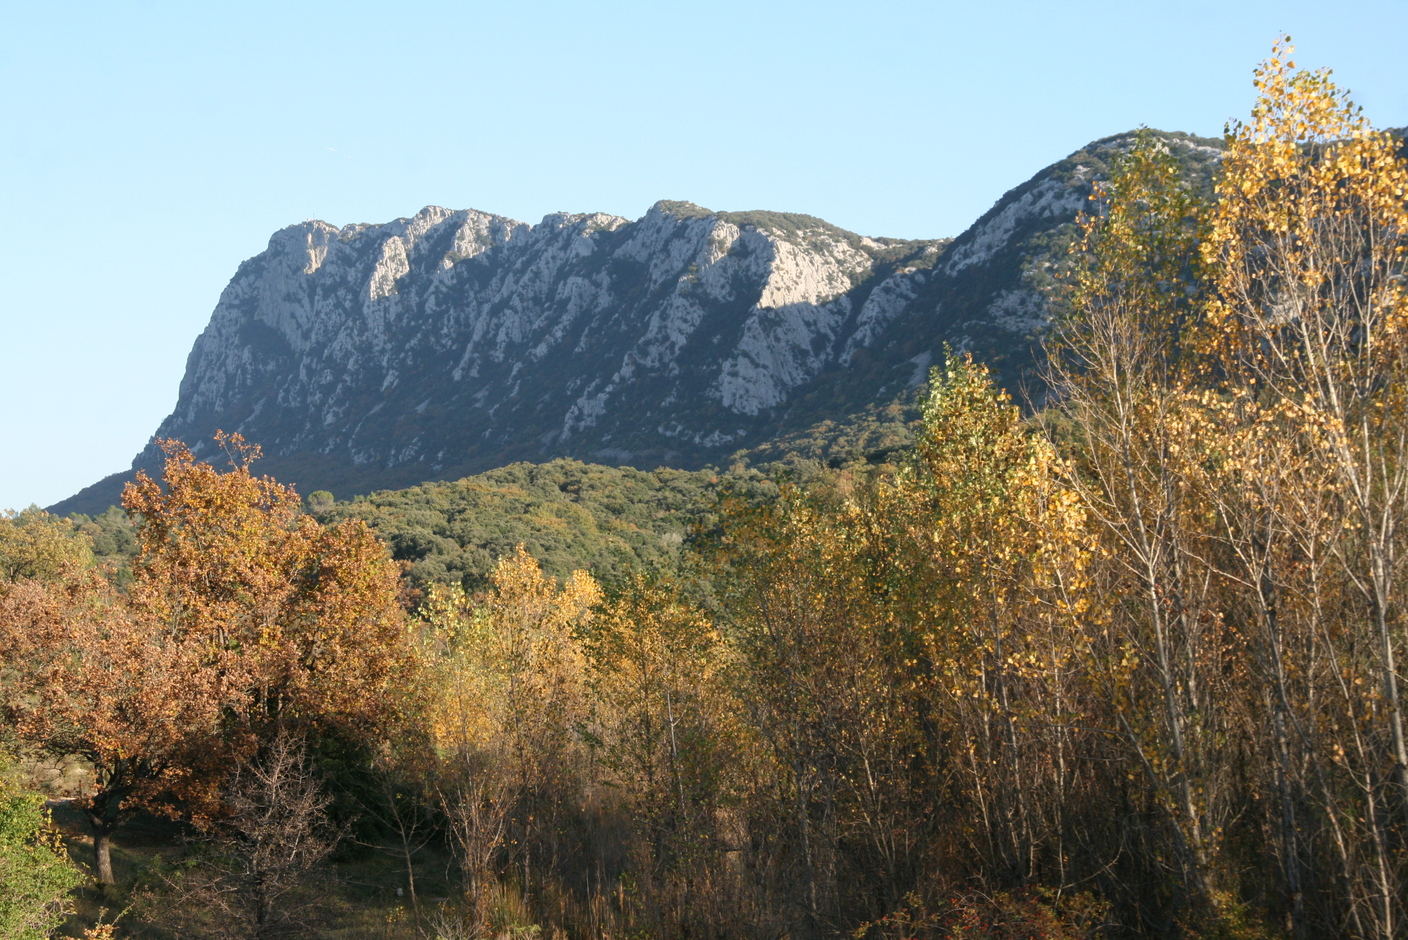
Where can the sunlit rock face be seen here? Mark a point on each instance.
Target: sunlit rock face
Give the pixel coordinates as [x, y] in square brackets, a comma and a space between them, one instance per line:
[455, 341]
[442, 340]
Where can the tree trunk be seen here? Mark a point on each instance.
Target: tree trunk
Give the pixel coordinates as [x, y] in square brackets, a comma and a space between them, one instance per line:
[104, 812]
[102, 851]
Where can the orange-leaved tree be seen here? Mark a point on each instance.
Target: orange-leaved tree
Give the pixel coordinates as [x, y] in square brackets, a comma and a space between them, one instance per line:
[312, 611]
[244, 618]
[87, 677]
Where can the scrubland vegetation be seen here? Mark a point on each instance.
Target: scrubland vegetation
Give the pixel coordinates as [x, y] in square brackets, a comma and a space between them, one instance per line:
[1127, 667]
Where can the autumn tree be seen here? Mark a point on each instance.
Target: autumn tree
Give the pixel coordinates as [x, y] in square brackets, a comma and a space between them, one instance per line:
[256, 882]
[905, 657]
[993, 542]
[1307, 335]
[813, 684]
[35, 545]
[1309, 241]
[1119, 366]
[313, 612]
[662, 729]
[1232, 379]
[90, 677]
[508, 700]
[244, 617]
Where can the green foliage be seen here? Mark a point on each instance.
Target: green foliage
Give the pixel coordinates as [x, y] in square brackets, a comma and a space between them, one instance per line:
[113, 538]
[34, 544]
[683, 210]
[567, 514]
[879, 434]
[36, 874]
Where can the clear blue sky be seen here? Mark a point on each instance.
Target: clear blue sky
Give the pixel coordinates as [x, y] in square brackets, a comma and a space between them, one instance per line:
[146, 149]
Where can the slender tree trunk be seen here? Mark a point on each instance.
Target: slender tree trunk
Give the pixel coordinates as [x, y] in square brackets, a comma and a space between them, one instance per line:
[263, 911]
[407, 850]
[808, 863]
[1290, 816]
[1287, 788]
[1382, 588]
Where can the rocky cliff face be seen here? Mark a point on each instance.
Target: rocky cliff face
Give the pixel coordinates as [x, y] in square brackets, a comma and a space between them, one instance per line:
[455, 341]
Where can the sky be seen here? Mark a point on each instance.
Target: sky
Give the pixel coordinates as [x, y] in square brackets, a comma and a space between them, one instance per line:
[146, 149]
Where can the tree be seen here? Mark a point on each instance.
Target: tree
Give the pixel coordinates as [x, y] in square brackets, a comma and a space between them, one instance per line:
[1234, 379]
[36, 545]
[660, 727]
[312, 612]
[1309, 242]
[1119, 368]
[243, 618]
[254, 883]
[812, 607]
[994, 543]
[1309, 322]
[91, 677]
[508, 699]
[904, 657]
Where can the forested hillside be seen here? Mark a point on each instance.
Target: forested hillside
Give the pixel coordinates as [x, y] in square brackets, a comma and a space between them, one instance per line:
[566, 514]
[1127, 667]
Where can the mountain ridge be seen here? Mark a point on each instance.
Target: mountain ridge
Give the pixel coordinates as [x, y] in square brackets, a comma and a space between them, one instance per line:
[453, 341]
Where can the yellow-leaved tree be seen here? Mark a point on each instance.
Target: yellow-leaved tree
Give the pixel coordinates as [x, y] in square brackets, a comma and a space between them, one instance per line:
[1121, 376]
[994, 543]
[665, 735]
[509, 675]
[1307, 333]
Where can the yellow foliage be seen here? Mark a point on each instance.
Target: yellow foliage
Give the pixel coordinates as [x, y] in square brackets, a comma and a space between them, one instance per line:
[510, 667]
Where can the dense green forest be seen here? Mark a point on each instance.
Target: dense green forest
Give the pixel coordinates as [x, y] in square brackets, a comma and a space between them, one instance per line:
[566, 514]
[1129, 667]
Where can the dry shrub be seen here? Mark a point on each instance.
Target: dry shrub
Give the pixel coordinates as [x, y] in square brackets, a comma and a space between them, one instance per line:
[258, 877]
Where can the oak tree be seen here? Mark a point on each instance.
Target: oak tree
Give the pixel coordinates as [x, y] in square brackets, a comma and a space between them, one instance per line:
[244, 617]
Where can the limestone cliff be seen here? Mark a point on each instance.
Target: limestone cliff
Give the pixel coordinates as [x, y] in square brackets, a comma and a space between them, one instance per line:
[455, 341]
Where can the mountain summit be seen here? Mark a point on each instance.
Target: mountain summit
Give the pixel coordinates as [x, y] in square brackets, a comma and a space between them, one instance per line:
[451, 342]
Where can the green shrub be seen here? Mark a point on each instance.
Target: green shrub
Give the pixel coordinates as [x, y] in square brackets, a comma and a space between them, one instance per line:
[36, 874]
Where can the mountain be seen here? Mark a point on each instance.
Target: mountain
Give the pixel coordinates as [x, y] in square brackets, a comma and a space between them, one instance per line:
[452, 342]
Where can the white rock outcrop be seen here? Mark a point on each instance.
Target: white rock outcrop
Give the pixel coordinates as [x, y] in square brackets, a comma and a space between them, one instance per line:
[315, 341]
